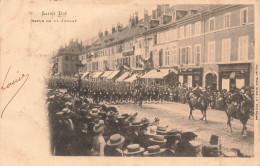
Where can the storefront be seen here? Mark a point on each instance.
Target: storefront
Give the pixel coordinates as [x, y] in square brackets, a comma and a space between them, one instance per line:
[161, 77]
[237, 74]
[190, 76]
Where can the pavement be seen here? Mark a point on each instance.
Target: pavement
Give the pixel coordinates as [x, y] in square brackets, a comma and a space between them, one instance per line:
[176, 116]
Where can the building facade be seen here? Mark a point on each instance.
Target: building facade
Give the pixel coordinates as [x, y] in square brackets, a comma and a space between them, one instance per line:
[66, 62]
[212, 45]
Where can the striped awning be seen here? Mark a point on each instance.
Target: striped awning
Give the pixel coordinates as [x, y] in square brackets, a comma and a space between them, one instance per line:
[97, 74]
[106, 74]
[156, 74]
[131, 79]
[111, 76]
[123, 76]
[84, 75]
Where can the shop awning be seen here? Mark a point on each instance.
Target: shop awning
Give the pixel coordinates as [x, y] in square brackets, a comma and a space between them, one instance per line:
[106, 74]
[131, 79]
[123, 76]
[157, 74]
[111, 76]
[97, 74]
[84, 75]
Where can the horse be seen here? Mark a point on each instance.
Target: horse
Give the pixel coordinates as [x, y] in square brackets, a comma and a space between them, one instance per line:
[239, 110]
[202, 105]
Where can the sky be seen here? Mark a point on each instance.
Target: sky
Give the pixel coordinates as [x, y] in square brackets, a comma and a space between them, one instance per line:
[45, 38]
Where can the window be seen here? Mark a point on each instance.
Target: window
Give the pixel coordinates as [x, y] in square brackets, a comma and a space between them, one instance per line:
[113, 50]
[183, 56]
[197, 53]
[243, 48]
[211, 51]
[167, 57]
[66, 58]
[188, 30]
[198, 28]
[189, 55]
[140, 44]
[227, 18]
[212, 24]
[181, 32]
[175, 55]
[72, 59]
[243, 16]
[155, 39]
[138, 60]
[226, 46]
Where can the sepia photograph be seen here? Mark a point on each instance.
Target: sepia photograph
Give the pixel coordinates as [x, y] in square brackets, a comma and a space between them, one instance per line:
[164, 84]
[125, 82]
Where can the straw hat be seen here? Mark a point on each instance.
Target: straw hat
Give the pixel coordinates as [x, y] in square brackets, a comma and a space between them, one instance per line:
[158, 139]
[161, 130]
[152, 150]
[230, 154]
[115, 140]
[133, 149]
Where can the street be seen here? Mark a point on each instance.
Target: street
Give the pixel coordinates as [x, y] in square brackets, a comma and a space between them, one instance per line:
[175, 116]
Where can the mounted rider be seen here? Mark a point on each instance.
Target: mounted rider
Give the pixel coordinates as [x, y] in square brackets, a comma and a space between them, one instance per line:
[247, 101]
[197, 92]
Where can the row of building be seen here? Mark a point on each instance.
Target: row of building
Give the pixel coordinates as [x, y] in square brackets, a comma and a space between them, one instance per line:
[206, 44]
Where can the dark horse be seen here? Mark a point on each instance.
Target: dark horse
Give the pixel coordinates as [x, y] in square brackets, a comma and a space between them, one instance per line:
[239, 110]
[202, 105]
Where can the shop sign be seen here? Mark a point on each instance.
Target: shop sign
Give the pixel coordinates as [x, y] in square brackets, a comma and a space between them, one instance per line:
[128, 53]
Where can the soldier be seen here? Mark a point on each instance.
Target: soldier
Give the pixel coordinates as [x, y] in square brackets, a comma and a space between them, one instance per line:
[197, 92]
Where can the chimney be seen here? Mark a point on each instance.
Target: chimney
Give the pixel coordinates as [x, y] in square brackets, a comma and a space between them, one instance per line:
[100, 35]
[136, 18]
[145, 18]
[133, 21]
[119, 26]
[154, 14]
[113, 29]
[106, 32]
[130, 22]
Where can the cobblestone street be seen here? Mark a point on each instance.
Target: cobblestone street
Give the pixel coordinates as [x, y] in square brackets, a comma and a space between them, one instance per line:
[175, 115]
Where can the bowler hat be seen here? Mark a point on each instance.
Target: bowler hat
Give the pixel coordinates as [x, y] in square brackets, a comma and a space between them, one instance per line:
[213, 140]
[188, 136]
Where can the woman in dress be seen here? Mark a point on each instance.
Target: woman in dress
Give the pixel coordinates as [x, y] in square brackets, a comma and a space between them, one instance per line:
[98, 141]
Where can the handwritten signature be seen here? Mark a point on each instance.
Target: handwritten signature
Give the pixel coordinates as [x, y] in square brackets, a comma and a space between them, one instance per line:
[4, 87]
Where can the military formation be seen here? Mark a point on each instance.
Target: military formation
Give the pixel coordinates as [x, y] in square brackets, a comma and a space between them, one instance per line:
[83, 123]
[116, 93]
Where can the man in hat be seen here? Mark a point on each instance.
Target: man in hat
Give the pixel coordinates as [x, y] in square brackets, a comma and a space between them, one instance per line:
[134, 150]
[115, 145]
[154, 151]
[198, 92]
